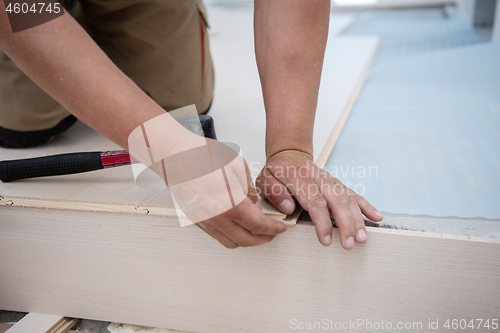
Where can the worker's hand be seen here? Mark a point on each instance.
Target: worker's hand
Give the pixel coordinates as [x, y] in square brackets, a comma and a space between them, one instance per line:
[245, 224]
[212, 185]
[293, 173]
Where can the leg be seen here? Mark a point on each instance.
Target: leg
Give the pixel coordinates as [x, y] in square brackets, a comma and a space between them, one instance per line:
[28, 116]
[162, 45]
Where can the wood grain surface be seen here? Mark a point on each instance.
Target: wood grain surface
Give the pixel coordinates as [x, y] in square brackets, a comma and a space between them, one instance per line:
[39, 323]
[146, 270]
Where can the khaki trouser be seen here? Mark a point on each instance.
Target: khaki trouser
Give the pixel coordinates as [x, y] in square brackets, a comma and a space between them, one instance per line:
[162, 45]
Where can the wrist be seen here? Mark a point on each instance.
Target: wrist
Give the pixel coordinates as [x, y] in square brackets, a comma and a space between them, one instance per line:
[289, 135]
[289, 145]
[291, 152]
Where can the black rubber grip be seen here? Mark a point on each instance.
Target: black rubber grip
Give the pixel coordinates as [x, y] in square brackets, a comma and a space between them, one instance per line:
[54, 165]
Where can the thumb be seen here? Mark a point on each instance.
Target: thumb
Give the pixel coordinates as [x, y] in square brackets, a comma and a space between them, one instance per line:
[274, 191]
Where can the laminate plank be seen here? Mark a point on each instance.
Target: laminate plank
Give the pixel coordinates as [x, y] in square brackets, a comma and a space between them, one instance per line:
[4, 327]
[148, 271]
[37, 323]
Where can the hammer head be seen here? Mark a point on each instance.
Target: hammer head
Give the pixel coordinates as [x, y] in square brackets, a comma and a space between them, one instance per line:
[192, 123]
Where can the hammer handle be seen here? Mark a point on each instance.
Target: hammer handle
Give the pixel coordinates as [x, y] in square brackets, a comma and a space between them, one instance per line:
[54, 165]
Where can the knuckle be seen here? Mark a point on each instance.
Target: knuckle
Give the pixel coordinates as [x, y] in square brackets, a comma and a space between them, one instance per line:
[342, 201]
[258, 230]
[318, 202]
[324, 228]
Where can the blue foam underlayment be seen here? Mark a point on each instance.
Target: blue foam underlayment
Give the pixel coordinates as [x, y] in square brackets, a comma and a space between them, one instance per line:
[406, 33]
[428, 123]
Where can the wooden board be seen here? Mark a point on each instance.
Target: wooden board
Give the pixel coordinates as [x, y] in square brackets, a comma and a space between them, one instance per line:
[339, 23]
[338, 92]
[36, 323]
[146, 270]
[5, 327]
[63, 325]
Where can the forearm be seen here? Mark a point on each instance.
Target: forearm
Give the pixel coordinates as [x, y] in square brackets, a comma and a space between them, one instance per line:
[64, 61]
[290, 41]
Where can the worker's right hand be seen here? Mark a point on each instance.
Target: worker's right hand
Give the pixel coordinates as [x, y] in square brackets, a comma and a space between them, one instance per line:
[212, 185]
[244, 225]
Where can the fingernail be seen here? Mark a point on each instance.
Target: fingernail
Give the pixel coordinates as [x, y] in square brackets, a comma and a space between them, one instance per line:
[327, 240]
[286, 206]
[378, 215]
[349, 243]
[362, 237]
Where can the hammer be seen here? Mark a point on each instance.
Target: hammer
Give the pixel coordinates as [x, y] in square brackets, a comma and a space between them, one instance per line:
[65, 164]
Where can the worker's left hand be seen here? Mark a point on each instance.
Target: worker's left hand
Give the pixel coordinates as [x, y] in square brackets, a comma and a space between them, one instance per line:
[293, 173]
